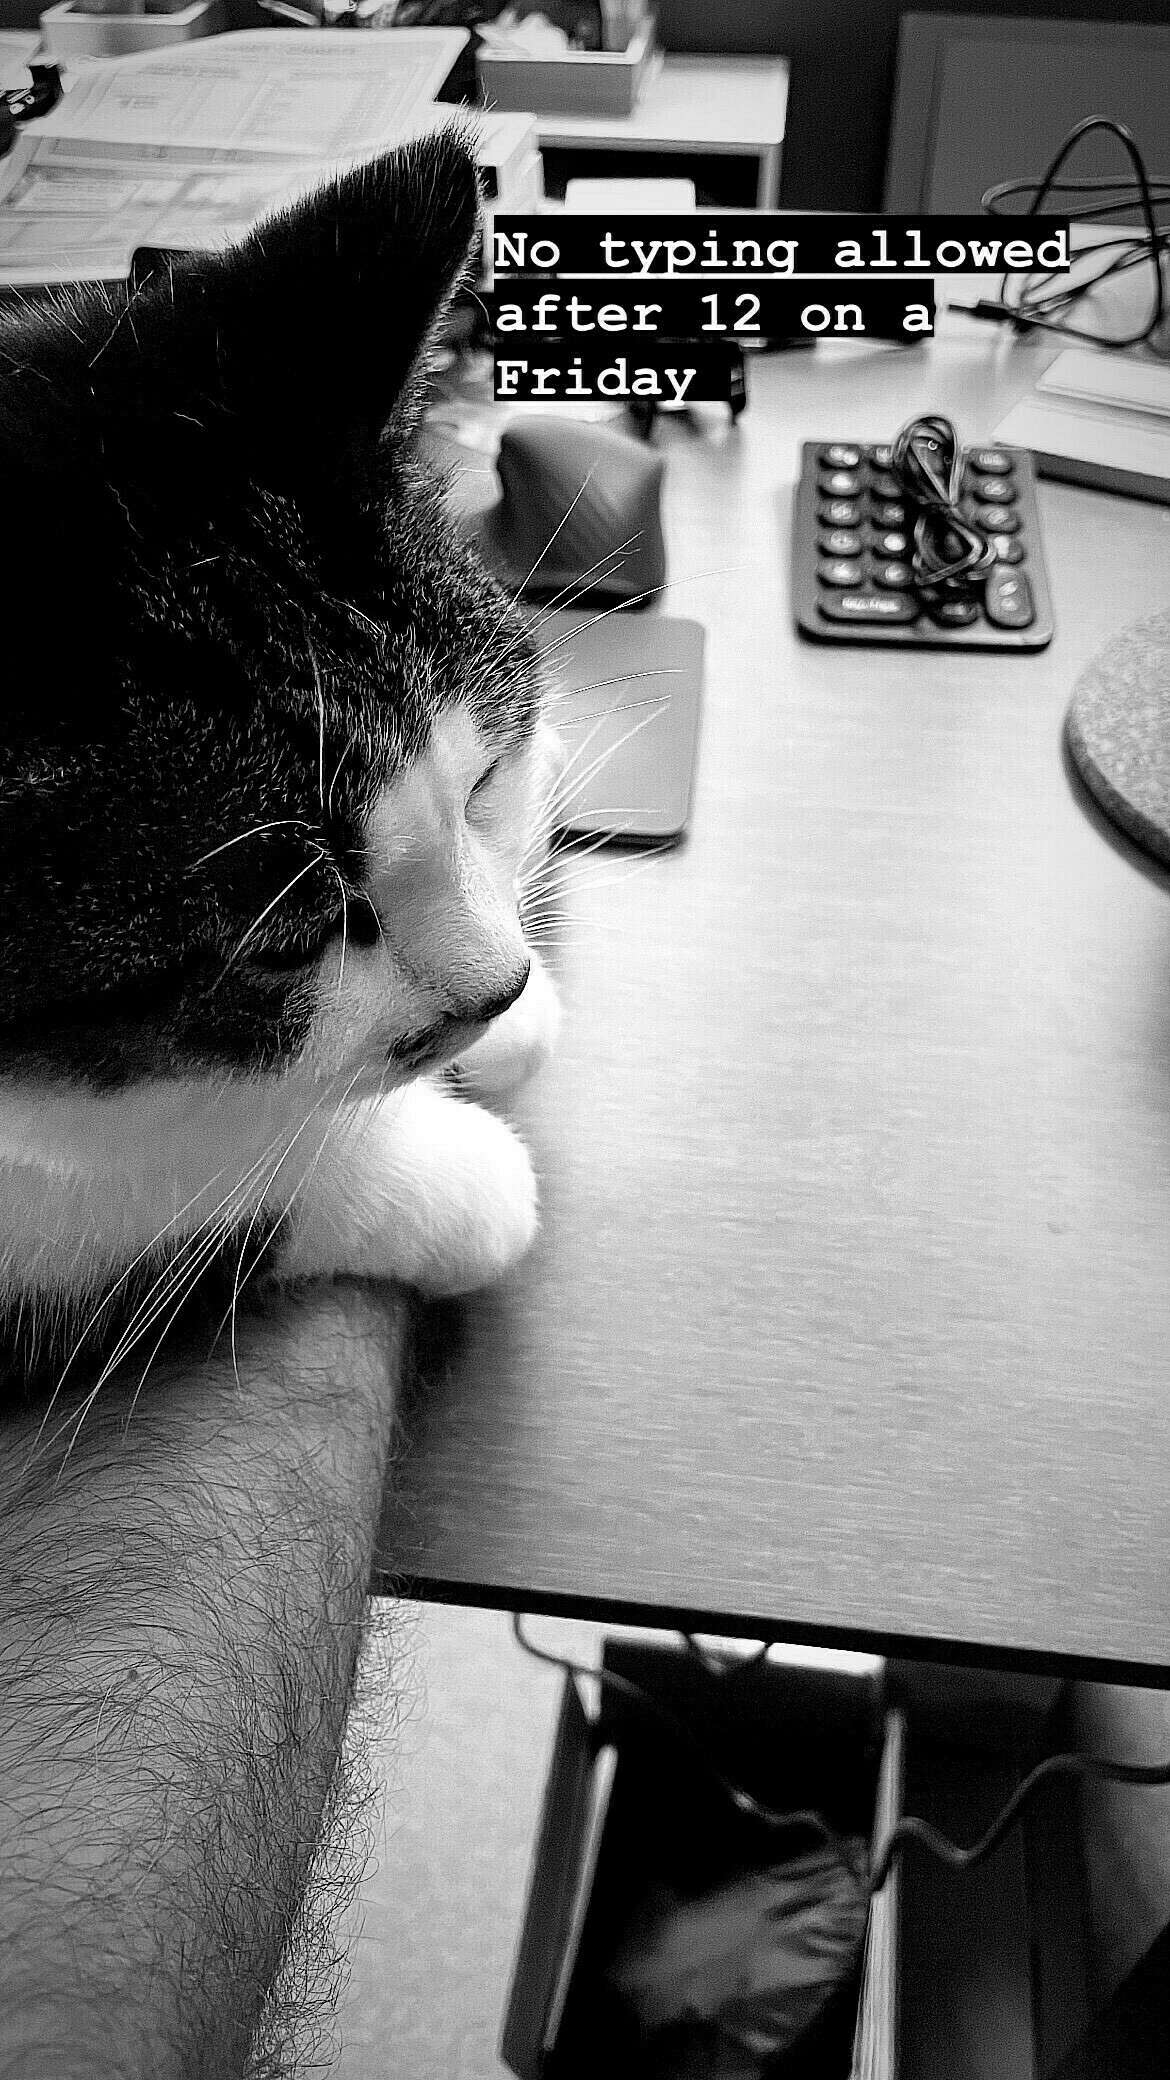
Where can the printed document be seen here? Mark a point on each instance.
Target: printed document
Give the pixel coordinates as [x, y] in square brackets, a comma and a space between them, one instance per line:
[191, 145]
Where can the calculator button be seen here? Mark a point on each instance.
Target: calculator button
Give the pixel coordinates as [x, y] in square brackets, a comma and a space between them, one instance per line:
[991, 461]
[992, 490]
[893, 544]
[841, 483]
[840, 456]
[883, 485]
[896, 577]
[954, 613]
[888, 512]
[842, 570]
[841, 541]
[1007, 548]
[997, 519]
[869, 606]
[840, 512]
[881, 458]
[1007, 598]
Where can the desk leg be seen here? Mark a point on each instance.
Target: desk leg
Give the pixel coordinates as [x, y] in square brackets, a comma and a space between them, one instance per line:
[768, 178]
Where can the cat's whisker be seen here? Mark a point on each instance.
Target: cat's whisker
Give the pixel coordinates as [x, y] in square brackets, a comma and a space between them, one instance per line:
[576, 850]
[556, 787]
[182, 1271]
[218, 1221]
[320, 691]
[514, 599]
[605, 714]
[550, 902]
[641, 859]
[112, 1292]
[257, 830]
[584, 777]
[340, 880]
[241, 1277]
[174, 1272]
[654, 671]
[583, 583]
[335, 779]
[283, 1214]
[621, 606]
[556, 795]
[485, 668]
[179, 1290]
[350, 607]
[310, 868]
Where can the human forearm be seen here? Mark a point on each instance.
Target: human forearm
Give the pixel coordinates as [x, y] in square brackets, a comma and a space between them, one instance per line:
[181, 1607]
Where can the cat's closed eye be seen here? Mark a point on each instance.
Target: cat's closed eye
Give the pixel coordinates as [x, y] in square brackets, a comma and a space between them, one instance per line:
[296, 953]
[483, 783]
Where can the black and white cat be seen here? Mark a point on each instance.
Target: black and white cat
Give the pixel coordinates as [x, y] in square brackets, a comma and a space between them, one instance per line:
[270, 759]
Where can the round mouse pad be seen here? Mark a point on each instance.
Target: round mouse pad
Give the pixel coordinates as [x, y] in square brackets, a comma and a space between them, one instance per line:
[1119, 732]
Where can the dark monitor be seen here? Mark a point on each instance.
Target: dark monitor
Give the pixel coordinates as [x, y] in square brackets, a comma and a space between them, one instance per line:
[983, 99]
[844, 57]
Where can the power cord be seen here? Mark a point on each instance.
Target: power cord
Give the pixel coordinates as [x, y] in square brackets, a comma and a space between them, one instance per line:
[909, 1830]
[951, 551]
[1040, 306]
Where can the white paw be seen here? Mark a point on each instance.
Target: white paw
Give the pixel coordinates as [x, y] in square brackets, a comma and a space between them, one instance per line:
[417, 1187]
[481, 1176]
[517, 1044]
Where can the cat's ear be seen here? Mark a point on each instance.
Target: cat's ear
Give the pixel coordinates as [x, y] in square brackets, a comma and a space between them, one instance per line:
[312, 327]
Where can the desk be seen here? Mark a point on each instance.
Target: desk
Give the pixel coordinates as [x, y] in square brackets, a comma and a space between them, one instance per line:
[731, 107]
[850, 1317]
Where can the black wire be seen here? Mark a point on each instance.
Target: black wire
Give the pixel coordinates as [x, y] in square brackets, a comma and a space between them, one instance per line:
[951, 551]
[910, 1829]
[1033, 307]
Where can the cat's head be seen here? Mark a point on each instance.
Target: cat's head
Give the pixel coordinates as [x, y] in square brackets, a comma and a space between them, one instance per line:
[265, 775]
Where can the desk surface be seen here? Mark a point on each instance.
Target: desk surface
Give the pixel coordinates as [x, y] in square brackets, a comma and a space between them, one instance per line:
[850, 1317]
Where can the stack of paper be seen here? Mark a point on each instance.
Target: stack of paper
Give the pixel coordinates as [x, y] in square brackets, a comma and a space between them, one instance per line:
[1099, 418]
[17, 46]
[875, 2039]
[189, 146]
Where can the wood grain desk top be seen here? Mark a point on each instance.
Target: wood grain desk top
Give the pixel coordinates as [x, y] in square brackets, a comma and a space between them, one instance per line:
[850, 1317]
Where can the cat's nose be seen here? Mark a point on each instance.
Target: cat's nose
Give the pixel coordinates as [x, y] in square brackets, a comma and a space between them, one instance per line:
[506, 997]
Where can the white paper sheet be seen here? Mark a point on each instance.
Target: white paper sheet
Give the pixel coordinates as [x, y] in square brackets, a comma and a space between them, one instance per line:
[68, 212]
[191, 146]
[322, 94]
[16, 48]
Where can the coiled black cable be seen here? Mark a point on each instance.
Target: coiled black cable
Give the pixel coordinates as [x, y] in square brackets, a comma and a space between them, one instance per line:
[1036, 303]
[951, 550]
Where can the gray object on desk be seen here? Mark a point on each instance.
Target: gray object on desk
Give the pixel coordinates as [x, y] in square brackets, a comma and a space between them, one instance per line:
[579, 513]
[849, 1315]
[626, 708]
[1119, 733]
[981, 99]
[700, 107]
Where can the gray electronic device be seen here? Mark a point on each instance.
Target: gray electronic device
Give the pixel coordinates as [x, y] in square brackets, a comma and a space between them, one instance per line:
[627, 693]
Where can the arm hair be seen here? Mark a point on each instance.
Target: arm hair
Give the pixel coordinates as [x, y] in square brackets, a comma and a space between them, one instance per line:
[182, 1597]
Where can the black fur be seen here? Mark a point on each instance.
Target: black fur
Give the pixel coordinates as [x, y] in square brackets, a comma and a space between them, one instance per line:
[213, 531]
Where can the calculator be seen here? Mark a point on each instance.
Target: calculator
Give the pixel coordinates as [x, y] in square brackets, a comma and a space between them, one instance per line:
[853, 554]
